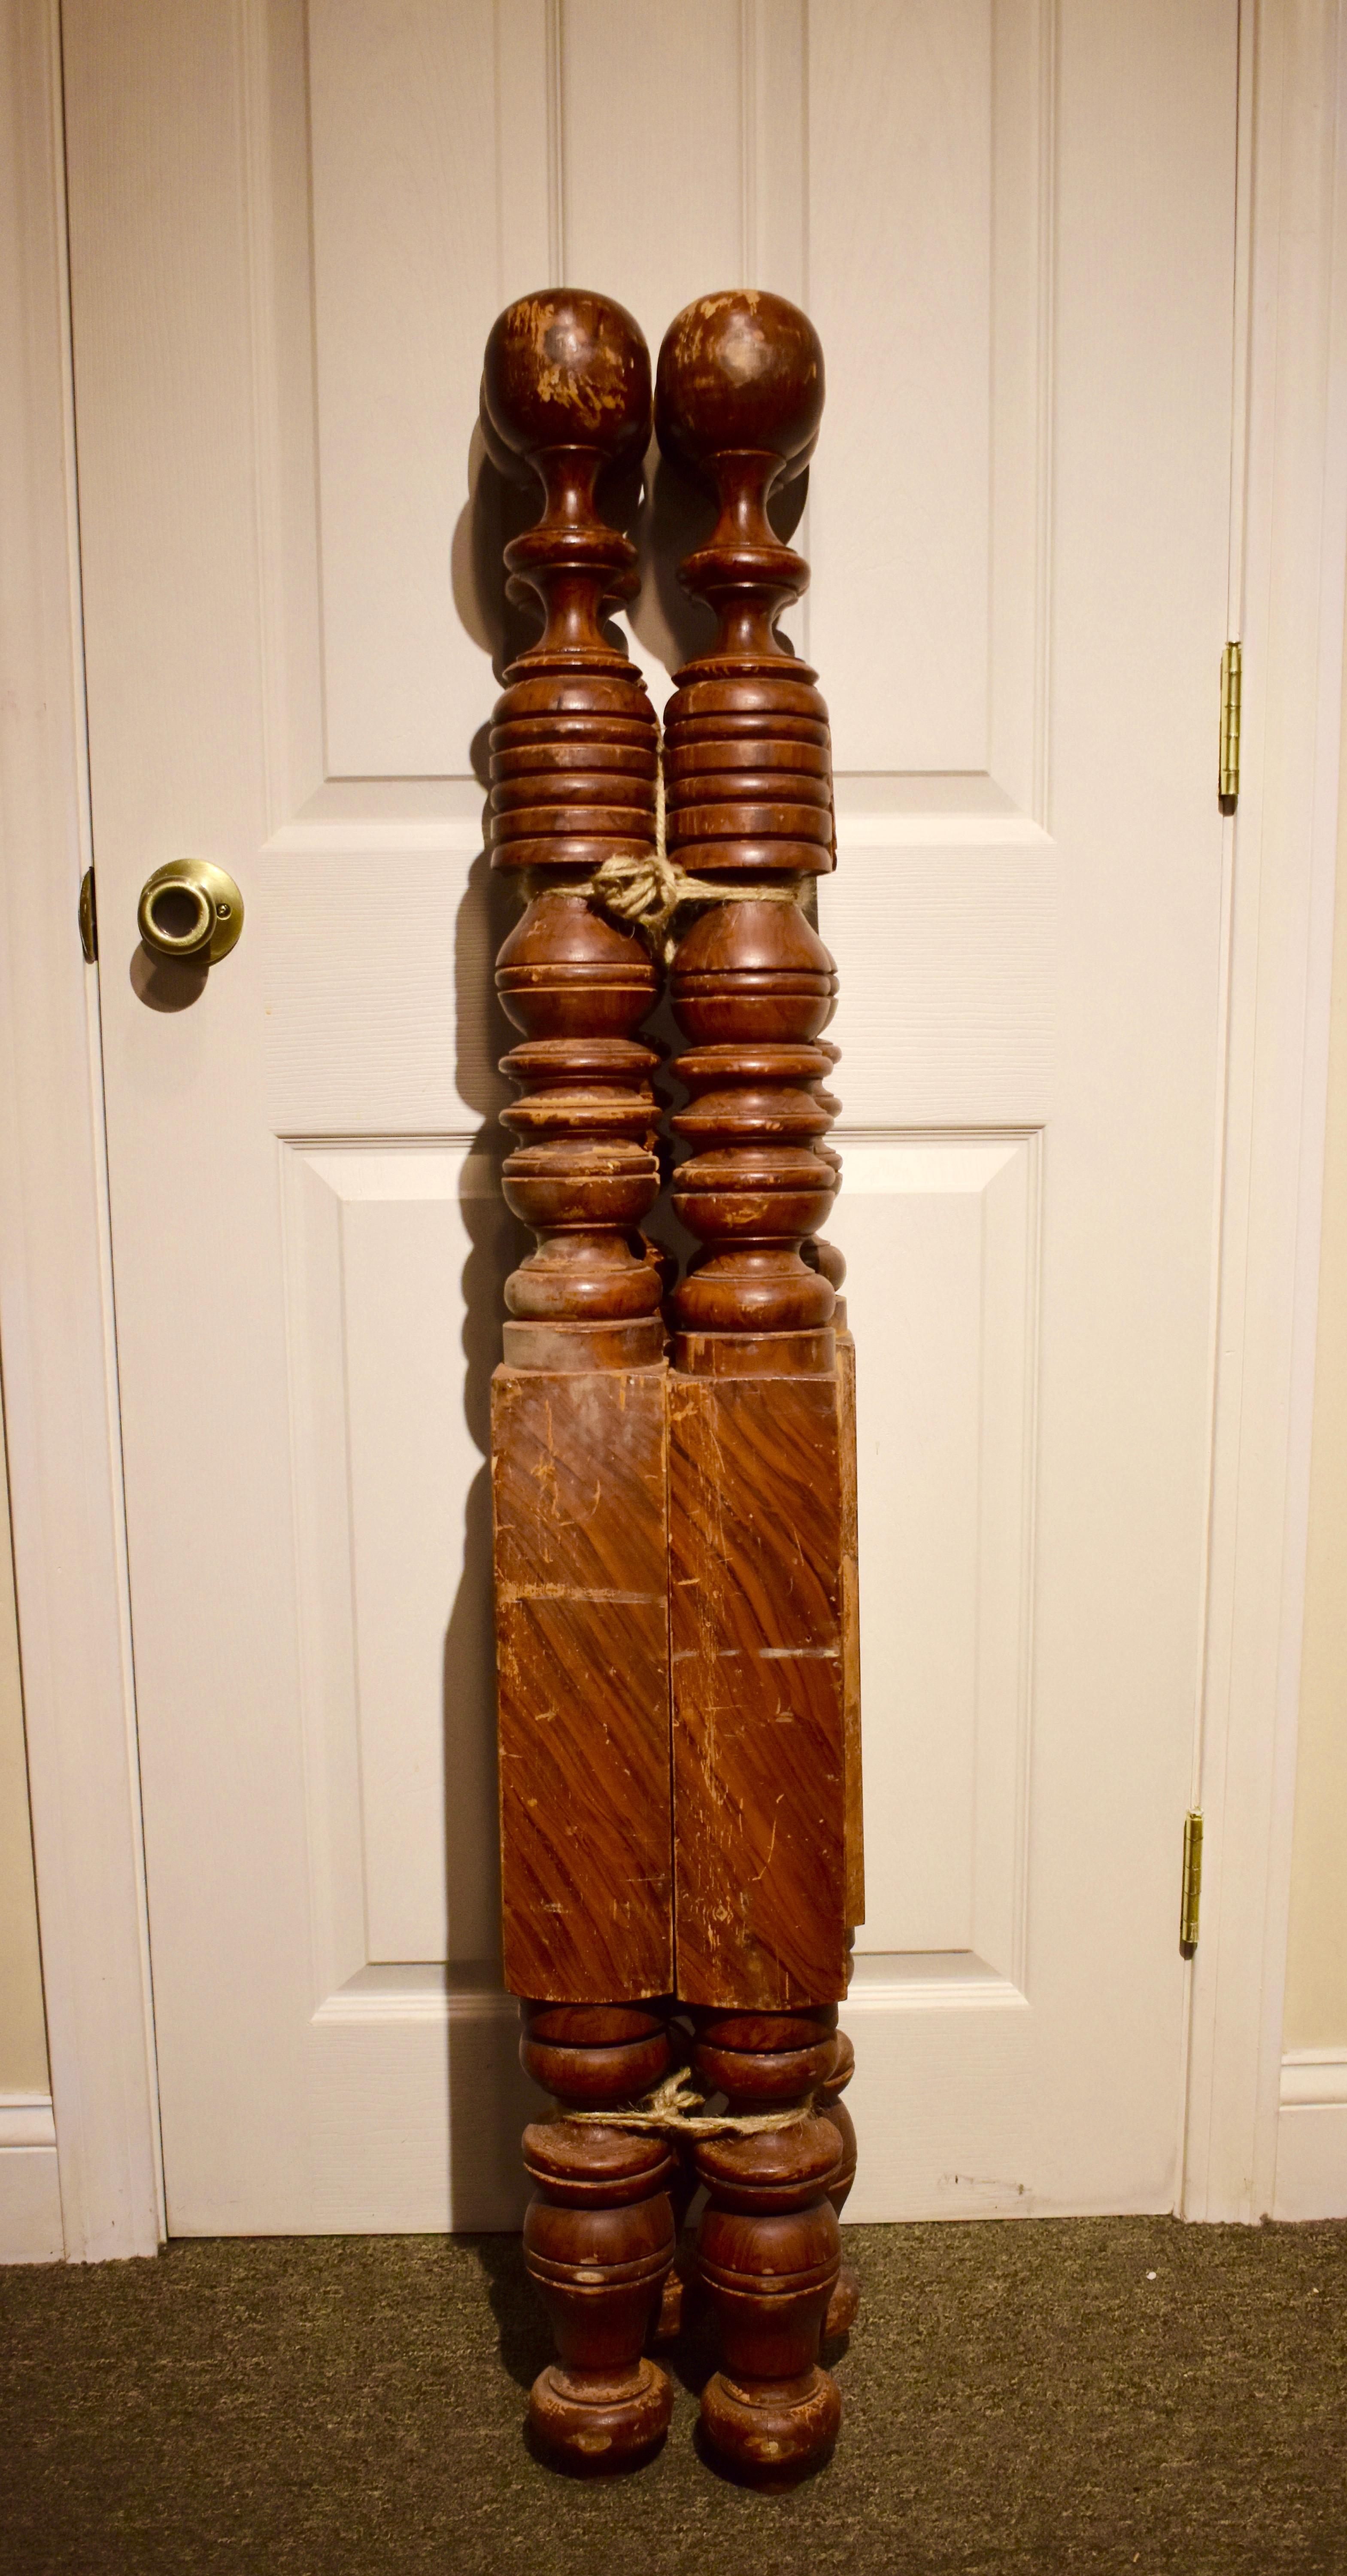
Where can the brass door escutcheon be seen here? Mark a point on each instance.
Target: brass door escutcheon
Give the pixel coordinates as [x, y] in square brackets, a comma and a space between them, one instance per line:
[190, 909]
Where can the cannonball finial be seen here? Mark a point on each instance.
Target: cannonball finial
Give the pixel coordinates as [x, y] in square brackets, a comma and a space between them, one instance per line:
[566, 368]
[742, 370]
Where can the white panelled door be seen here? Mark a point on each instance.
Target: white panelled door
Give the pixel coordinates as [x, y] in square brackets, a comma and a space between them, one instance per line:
[1013, 224]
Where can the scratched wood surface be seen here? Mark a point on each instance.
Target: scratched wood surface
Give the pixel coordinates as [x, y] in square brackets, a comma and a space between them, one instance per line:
[756, 1629]
[580, 1494]
[851, 1636]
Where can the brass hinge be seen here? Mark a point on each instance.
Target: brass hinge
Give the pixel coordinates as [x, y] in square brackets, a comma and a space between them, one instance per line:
[1190, 1902]
[1232, 682]
[88, 918]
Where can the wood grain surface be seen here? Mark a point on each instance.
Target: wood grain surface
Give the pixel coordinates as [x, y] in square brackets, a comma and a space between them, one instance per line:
[579, 1483]
[851, 1635]
[756, 1628]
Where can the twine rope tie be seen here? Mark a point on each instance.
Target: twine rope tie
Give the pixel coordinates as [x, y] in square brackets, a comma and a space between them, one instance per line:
[649, 888]
[673, 2110]
[648, 891]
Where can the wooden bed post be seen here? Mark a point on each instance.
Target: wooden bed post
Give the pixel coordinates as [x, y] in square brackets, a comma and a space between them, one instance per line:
[579, 1444]
[675, 1547]
[767, 1861]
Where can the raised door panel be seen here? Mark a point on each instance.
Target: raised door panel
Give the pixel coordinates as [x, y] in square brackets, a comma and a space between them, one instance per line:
[391, 1368]
[889, 166]
[941, 1241]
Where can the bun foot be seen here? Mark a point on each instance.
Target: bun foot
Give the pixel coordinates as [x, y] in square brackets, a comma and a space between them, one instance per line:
[844, 2306]
[772, 2430]
[601, 2423]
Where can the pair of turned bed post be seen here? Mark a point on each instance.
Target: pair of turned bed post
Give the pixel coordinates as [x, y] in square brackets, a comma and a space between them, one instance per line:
[673, 1464]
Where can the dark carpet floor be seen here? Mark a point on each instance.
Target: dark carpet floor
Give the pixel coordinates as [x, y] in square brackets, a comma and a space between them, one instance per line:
[1046, 2395]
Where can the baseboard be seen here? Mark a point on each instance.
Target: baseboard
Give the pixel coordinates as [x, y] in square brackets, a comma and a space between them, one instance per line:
[1312, 2135]
[30, 2193]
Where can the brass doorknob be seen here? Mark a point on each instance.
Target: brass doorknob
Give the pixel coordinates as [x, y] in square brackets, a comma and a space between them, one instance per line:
[190, 909]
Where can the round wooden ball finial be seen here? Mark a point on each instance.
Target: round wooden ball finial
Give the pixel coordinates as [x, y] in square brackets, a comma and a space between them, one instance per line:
[565, 368]
[740, 371]
[566, 397]
[738, 400]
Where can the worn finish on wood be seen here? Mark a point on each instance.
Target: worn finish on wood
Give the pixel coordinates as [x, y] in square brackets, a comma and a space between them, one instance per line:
[566, 394]
[853, 1816]
[746, 1596]
[578, 1424]
[579, 1432]
[599, 2233]
[748, 796]
[844, 2305]
[757, 1646]
[763, 1535]
[579, 1482]
[768, 2247]
[763, 1592]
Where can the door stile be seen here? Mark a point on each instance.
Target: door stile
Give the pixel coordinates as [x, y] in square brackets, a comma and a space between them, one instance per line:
[1287, 582]
[56, 1310]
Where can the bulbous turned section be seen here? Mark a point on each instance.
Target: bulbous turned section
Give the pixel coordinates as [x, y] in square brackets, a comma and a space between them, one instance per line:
[583, 1174]
[755, 983]
[565, 398]
[599, 2232]
[753, 972]
[568, 972]
[769, 2248]
[821, 1256]
[844, 2305]
[595, 2056]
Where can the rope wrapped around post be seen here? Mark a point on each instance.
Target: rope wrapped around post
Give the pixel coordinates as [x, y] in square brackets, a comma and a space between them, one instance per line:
[650, 890]
[669, 2112]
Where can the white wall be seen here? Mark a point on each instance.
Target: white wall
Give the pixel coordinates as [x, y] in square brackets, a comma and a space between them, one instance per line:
[30, 2200]
[1316, 1976]
[23, 2041]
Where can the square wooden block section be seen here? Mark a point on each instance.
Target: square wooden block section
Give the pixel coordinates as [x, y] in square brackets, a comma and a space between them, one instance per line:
[758, 1616]
[580, 1486]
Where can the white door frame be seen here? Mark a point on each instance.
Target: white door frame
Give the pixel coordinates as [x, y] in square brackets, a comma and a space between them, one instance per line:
[56, 1337]
[1288, 587]
[1289, 565]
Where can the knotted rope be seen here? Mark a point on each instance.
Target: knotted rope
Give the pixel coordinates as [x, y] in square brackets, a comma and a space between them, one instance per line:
[671, 2111]
[649, 890]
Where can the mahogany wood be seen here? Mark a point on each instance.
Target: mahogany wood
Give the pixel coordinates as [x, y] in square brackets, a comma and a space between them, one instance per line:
[599, 2234]
[579, 1434]
[755, 1598]
[768, 2250]
[844, 2305]
[566, 394]
[751, 1542]
[853, 1821]
[762, 1423]
[578, 1439]
[582, 1681]
[748, 797]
